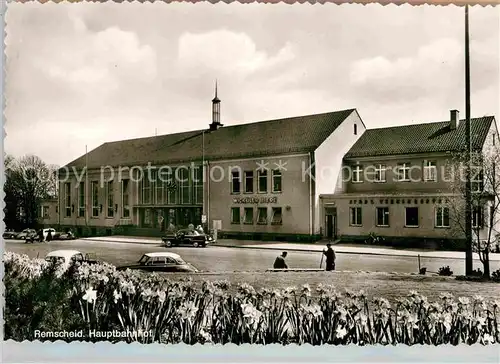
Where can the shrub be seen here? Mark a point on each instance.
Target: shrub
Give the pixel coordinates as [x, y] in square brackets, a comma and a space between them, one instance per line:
[445, 271]
[496, 275]
[102, 298]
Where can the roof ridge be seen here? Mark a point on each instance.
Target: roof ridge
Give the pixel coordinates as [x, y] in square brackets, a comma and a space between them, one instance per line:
[429, 123]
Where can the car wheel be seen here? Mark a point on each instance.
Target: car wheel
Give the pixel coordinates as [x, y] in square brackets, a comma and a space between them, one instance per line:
[195, 244]
[168, 243]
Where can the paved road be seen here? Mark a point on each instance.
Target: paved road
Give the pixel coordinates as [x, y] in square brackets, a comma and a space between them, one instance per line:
[223, 259]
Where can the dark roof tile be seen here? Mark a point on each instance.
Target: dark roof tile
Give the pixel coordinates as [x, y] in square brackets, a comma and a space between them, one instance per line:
[274, 137]
[420, 138]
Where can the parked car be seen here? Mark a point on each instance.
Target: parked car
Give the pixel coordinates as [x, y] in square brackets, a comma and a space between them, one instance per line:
[33, 235]
[70, 257]
[22, 234]
[161, 262]
[187, 237]
[65, 236]
[10, 234]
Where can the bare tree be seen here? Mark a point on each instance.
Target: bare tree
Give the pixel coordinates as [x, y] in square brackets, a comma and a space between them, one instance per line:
[485, 186]
[29, 181]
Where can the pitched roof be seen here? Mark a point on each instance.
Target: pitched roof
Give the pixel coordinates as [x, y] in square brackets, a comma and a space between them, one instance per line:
[420, 138]
[281, 136]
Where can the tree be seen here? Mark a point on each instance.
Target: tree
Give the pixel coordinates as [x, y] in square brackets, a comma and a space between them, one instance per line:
[485, 186]
[29, 181]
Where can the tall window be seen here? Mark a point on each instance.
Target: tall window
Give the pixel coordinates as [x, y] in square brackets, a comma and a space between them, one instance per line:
[355, 129]
[249, 182]
[262, 215]
[477, 217]
[382, 216]
[81, 200]
[45, 212]
[160, 188]
[248, 217]
[262, 176]
[110, 196]
[442, 216]
[430, 171]
[477, 179]
[67, 199]
[147, 217]
[404, 172]
[146, 189]
[277, 180]
[357, 174]
[235, 215]
[125, 199]
[95, 198]
[184, 186]
[380, 173]
[172, 189]
[198, 185]
[235, 181]
[277, 216]
[411, 217]
[355, 216]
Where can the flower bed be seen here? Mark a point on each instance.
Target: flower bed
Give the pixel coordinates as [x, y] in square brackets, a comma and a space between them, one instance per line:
[39, 296]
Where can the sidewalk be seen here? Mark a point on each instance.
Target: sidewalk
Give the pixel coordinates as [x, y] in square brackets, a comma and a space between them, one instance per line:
[339, 248]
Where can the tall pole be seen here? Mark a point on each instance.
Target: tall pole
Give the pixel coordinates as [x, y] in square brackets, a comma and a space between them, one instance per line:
[86, 196]
[204, 209]
[468, 194]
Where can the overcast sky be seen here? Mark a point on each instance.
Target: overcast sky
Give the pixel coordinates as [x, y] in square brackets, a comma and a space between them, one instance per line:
[83, 74]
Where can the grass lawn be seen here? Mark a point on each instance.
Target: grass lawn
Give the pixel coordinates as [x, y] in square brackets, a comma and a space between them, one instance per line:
[387, 285]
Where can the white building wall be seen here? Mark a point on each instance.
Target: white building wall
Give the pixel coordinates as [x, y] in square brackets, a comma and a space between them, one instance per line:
[328, 161]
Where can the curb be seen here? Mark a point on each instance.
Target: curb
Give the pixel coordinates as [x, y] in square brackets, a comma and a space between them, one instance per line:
[123, 241]
[337, 252]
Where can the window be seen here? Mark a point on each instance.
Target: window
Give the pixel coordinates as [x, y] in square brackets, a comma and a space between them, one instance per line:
[146, 189]
[110, 198]
[95, 198]
[262, 181]
[160, 189]
[153, 187]
[357, 174]
[198, 185]
[404, 172]
[45, 212]
[81, 200]
[355, 129]
[235, 215]
[430, 171]
[493, 139]
[147, 217]
[248, 218]
[277, 180]
[382, 216]
[249, 182]
[477, 217]
[355, 216]
[380, 173]
[442, 216]
[262, 216]
[172, 189]
[235, 182]
[184, 186]
[67, 199]
[125, 199]
[411, 217]
[277, 217]
[477, 179]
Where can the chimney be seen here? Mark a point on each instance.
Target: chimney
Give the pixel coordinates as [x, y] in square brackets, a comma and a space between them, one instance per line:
[454, 119]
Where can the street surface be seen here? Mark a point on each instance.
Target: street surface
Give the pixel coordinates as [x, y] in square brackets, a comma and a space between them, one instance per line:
[226, 259]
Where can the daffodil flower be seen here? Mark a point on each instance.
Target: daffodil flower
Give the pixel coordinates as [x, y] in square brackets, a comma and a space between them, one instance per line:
[90, 295]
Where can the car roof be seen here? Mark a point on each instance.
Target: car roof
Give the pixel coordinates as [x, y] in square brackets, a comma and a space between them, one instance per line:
[162, 254]
[63, 253]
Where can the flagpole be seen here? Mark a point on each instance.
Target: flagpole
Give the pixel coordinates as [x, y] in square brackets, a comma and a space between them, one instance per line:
[468, 192]
[86, 186]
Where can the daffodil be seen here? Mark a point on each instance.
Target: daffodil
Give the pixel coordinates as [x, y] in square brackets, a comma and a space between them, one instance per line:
[90, 295]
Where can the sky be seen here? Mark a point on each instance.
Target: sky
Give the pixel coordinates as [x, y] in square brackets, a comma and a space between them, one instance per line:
[84, 74]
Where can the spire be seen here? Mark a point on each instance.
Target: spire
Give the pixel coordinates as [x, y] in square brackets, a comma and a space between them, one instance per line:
[216, 99]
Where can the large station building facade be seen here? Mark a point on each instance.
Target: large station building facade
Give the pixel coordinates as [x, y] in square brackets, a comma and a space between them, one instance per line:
[259, 180]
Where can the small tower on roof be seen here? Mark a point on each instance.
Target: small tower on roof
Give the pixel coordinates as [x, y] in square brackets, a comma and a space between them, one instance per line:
[216, 124]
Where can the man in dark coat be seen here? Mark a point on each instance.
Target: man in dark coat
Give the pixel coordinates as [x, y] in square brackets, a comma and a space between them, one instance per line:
[330, 257]
[279, 263]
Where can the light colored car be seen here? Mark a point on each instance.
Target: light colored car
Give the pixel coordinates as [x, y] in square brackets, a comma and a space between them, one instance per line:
[68, 257]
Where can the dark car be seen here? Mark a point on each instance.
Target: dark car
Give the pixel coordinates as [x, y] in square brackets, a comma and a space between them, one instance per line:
[187, 237]
[161, 262]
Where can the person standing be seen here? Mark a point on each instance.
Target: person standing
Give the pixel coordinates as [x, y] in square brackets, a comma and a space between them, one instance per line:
[280, 263]
[330, 257]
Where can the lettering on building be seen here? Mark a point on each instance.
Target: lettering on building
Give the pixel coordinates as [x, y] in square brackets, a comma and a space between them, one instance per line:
[255, 200]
